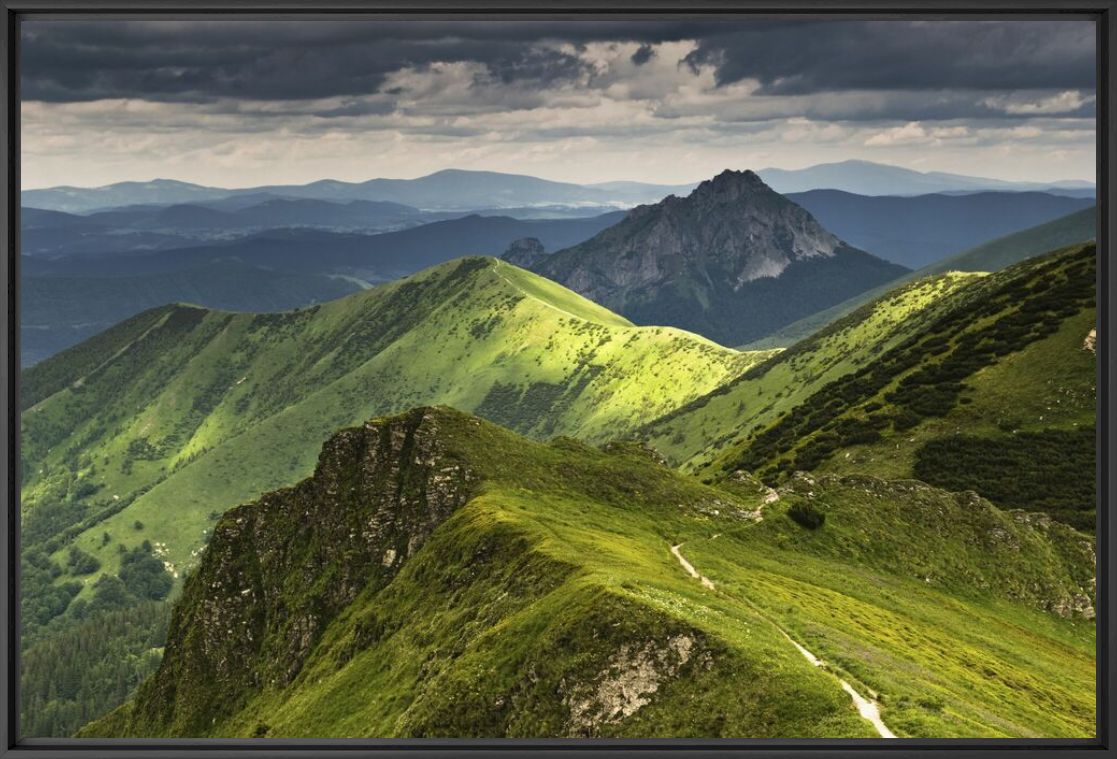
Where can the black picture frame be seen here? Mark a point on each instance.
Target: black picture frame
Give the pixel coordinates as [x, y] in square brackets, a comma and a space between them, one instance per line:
[1103, 11]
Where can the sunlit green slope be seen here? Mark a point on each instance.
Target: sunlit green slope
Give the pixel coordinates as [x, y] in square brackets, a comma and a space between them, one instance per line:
[1078, 227]
[996, 395]
[151, 430]
[441, 576]
[694, 433]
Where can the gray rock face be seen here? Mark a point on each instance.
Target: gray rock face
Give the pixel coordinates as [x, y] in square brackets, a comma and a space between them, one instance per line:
[734, 222]
[525, 252]
[711, 262]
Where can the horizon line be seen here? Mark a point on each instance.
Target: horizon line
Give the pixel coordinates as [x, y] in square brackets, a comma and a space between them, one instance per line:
[1091, 182]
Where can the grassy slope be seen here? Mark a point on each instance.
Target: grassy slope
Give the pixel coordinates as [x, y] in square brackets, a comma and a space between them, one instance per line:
[554, 585]
[182, 413]
[695, 432]
[1006, 358]
[991, 256]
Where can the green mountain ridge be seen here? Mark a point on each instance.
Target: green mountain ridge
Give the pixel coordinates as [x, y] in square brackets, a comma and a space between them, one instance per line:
[688, 435]
[180, 413]
[441, 576]
[1078, 227]
[996, 394]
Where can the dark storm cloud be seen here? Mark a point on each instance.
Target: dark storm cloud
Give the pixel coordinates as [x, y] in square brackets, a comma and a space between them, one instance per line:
[72, 61]
[293, 60]
[821, 56]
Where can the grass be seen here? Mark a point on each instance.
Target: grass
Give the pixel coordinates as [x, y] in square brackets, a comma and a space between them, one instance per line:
[693, 434]
[182, 413]
[1003, 348]
[442, 576]
[551, 589]
[994, 255]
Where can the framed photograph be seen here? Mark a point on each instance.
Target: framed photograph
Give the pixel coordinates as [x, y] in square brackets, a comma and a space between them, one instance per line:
[414, 379]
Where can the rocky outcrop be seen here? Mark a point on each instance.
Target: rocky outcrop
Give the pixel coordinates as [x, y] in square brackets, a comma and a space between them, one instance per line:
[732, 260]
[628, 682]
[279, 570]
[1091, 341]
[525, 252]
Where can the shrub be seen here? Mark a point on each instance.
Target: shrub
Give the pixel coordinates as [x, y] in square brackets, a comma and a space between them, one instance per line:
[144, 575]
[806, 515]
[81, 563]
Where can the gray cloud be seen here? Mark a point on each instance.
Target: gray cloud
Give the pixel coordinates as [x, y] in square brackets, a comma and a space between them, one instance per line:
[199, 61]
[821, 56]
[643, 54]
[195, 61]
[604, 98]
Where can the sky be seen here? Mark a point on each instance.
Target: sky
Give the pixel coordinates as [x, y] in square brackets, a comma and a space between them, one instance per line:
[242, 102]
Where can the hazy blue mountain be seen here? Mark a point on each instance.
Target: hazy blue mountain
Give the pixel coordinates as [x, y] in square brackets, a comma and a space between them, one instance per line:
[57, 312]
[461, 190]
[84, 199]
[68, 299]
[35, 218]
[55, 233]
[448, 190]
[919, 230]
[998, 254]
[454, 189]
[269, 212]
[373, 258]
[732, 261]
[869, 178]
[52, 234]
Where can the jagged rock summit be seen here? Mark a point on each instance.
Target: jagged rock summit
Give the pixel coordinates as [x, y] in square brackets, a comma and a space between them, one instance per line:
[736, 220]
[733, 261]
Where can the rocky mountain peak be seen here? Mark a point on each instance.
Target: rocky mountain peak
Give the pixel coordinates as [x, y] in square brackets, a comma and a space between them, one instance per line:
[688, 261]
[732, 185]
[734, 222]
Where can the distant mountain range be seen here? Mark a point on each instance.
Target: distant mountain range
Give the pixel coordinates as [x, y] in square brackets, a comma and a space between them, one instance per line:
[918, 231]
[869, 178]
[255, 242]
[373, 258]
[733, 261]
[459, 190]
[68, 299]
[909, 230]
[449, 190]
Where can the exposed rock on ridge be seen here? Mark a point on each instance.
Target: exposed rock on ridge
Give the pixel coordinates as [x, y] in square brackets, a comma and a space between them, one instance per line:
[279, 570]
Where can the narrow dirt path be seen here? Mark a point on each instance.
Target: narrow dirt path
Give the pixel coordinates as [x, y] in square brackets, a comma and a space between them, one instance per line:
[706, 583]
[866, 707]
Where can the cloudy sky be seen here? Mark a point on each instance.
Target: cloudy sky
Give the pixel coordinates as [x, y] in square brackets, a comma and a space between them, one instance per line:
[241, 102]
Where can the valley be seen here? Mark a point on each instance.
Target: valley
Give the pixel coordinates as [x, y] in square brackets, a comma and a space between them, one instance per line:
[543, 496]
